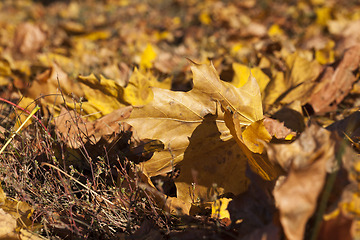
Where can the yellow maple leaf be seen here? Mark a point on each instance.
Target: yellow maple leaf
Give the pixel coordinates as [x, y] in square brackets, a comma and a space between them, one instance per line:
[296, 83]
[106, 95]
[196, 137]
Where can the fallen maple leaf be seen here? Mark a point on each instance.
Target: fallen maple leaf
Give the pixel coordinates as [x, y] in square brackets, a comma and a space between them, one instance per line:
[196, 138]
[295, 83]
[326, 55]
[334, 85]
[246, 100]
[106, 95]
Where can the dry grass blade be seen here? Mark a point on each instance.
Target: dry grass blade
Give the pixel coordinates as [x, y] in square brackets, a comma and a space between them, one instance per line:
[21, 126]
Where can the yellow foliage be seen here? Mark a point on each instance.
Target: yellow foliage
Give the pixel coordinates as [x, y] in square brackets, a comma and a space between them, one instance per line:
[4, 81]
[253, 133]
[72, 11]
[237, 47]
[147, 58]
[296, 83]
[257, 163]
[242, 107]
[15, 219]
[351, 205]
[275, 30]
[327, 54]
[357, 166]
[5, 69]
[2, 196]
[317, 2]
[163, 35]
[183, 120]
[332, 215]
[242, 73]
[122, 3]
[98, 35]
[322, 15]
[176, 20]
[138, 91]
[61, 60]
[219, 208]
[205, 18]
[153, 81]
[104, 96]
[28, 104]
[289, 137]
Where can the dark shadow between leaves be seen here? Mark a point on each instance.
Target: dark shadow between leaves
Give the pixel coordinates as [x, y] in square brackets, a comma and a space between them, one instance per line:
[255, 207]
[210, 161]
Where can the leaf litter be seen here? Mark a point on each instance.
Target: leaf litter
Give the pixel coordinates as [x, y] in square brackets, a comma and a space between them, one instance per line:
[143, 147]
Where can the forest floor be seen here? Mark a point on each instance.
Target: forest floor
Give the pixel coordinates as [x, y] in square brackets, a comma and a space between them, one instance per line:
[179, 119]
